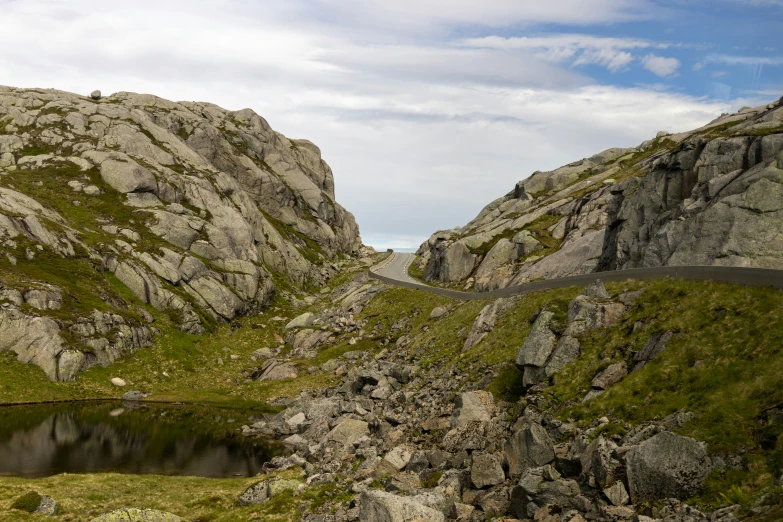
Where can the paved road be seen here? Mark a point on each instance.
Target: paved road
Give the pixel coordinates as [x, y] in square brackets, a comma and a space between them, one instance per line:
[394, 270]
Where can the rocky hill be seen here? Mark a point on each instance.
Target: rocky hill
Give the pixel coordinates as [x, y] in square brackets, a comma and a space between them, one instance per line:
[634, 401]
[712, 196]
[114, 208]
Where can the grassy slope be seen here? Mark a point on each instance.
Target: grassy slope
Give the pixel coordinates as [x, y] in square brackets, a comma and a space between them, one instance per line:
[83, 497]
[190, 362]
[722, 365]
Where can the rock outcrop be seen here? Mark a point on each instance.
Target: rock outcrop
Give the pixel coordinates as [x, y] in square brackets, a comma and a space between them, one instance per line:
[552, 342]
[712, 196]
[414, 441]
[667, 466]
[193, 208]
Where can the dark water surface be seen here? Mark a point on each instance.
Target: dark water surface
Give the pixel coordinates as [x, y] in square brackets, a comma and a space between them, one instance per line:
[42, 440]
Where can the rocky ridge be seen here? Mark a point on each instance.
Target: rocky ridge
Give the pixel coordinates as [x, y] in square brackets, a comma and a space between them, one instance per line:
[115, 207]
[711, 196]
[391, 434]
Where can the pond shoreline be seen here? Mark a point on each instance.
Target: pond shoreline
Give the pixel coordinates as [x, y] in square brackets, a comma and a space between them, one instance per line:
[223, 406]
[132, 437]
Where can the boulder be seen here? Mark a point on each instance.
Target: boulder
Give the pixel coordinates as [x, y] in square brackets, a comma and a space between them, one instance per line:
[627, 514]
[48, 506]
[344, 435]
[394, 461]
[457, 263]
[474, 406]
[654, 346]
[296, 420]
[494, 501]
[70, 363]
[134, 396]
[596, 290]
[137, 515]
[527, 243]
[616, 494]
[502, 253]
[95, 95]
[539, 343]
[468, 437]
[44, 298]
[274, 370]
[127, 176]
[541, 486]
[438, 311]
[567, 350]
[611, 375]
[35, 340]
[301, 321]
[37, 504]
[118, 382]
[266, 490]
[379, 506]
[484, 323]
[216, 296]
[486, 470]
[403, 481]
[529, 447]
[304, 341]
[599, 462]
[667, 466]
[265, 353]
[587, 313]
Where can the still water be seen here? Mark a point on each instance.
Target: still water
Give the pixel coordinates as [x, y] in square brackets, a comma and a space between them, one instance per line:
[44, 440]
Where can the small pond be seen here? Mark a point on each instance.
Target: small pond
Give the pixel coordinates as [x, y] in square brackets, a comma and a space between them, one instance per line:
[46, 439]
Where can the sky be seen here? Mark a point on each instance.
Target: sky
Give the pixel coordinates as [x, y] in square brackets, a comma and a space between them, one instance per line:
[426, 110]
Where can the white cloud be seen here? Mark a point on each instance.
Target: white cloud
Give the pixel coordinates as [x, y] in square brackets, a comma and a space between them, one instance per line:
[420, 135]
[612, 60]
[505, 13]
[766, 93]
[578, 49]
[745, 60]
[661, 66]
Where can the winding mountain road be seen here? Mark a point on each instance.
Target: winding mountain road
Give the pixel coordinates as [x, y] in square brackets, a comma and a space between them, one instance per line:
[394, 271]
[396, 267]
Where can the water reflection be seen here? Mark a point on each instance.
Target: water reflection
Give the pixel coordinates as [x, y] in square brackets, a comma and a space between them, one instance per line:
[41, 440]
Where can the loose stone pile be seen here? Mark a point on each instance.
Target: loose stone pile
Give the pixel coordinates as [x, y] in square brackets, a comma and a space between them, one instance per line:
[418, 444]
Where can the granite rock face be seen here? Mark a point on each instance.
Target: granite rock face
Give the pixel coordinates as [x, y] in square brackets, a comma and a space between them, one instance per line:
[665, 466]
[711, 196]
[192, 207]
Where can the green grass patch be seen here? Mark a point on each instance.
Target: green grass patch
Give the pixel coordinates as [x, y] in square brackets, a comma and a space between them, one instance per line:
[308, 247]
[432, 480]
[84, 497]
[415, 271]
[539, 230]
[28, 502]
[484, 248]
[760, 132]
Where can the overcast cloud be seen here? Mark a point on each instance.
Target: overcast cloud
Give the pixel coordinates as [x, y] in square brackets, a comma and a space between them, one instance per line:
[426, 110]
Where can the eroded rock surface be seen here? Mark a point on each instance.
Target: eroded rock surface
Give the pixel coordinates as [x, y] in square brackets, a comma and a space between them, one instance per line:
[192, 207]
[704, 197]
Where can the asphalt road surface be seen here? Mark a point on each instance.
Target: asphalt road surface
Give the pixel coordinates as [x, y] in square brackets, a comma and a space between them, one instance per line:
[394, 271]
[396, 268]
